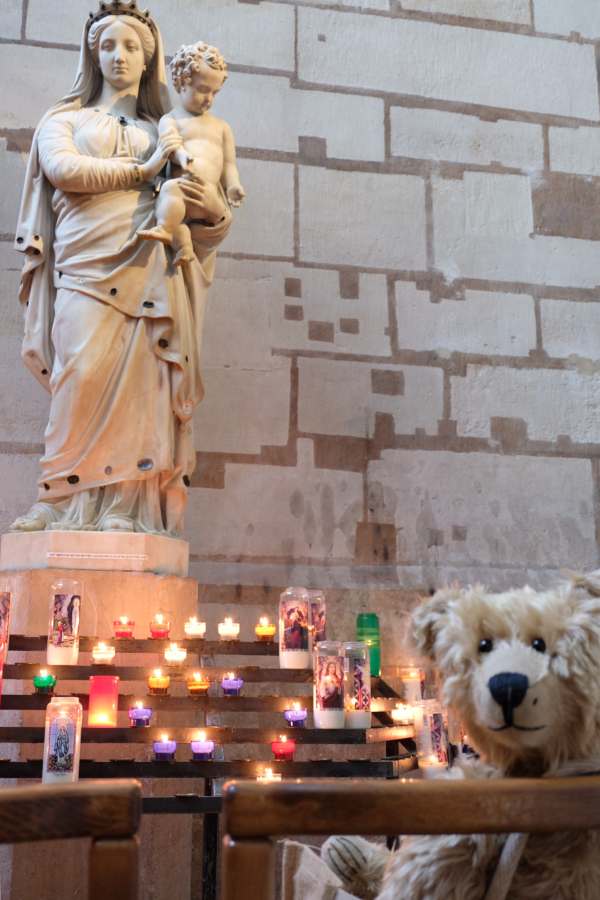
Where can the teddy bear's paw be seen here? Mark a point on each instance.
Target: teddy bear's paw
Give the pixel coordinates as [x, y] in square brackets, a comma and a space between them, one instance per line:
[360, 864]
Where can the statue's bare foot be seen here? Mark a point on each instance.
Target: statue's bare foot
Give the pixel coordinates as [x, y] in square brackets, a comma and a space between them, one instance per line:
[117, 523]
[184, 255]
[158, 233]
[39, 517]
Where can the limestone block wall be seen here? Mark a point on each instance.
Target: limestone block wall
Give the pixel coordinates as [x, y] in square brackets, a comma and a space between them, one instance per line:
[402, 351]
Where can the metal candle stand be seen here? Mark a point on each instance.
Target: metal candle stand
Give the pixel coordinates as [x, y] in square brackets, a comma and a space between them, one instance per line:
[392, 765]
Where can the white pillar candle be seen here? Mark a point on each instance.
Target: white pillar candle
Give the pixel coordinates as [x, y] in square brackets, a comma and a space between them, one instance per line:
[62, 740]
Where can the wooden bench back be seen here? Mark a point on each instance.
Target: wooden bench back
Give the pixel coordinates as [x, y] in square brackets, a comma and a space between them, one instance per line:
[109, 812]
[254, 813]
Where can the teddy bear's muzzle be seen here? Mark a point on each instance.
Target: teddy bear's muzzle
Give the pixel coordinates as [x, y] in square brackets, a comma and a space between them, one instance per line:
[508, 690]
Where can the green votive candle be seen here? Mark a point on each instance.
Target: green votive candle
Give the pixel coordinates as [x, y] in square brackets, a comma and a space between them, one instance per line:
[367, 630]
[44, 682]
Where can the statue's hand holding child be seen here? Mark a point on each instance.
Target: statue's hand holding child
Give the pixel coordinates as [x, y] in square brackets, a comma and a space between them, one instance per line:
[236, 194]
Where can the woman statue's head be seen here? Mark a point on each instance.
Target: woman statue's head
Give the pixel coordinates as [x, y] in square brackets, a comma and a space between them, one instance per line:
[125, 49]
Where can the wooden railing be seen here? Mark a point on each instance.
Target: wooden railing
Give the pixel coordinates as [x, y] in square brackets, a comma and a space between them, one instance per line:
[107, 812]
[256, 813]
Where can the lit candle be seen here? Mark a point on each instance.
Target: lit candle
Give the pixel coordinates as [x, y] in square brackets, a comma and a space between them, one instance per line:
[413, 682]
[194, 629]
[201, 748]
[62, 740]
[158, 683]
[269, 775]
[175, 655]
[403, 712]
[160, 626]
[431, 766]
[44, 682]
[265, 631]
[139, 715]
[164, 750]
[296, 716]
[103, 653]
[198, 685]
[104, 700]
[228, 630]
[232, 686]
[123, 627]
[283, 750]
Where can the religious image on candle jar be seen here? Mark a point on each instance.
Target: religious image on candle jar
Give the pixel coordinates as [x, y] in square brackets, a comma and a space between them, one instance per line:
[294, 634]
[62, 744]
[318, 616]
[329, 680]
[4, 623]
[64, 624]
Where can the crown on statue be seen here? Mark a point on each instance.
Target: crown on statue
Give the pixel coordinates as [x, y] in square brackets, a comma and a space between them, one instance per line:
[120, 8]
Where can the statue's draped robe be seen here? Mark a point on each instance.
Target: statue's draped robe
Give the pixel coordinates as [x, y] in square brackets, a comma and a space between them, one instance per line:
[112, 329]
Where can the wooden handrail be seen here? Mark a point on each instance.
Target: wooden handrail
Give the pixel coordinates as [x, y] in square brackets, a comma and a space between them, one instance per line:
[254, 813]
[97, 809]
[107, 811]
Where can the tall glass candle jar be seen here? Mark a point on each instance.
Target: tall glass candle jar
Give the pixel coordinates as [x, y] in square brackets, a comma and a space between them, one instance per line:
[63, 627]
[431, 737]
[318, 616]
[367, 630]
[104, 701]
[294, 635]
[328, 685]
[62, 740]
[357, 685]
[413, 684]
[5, 598]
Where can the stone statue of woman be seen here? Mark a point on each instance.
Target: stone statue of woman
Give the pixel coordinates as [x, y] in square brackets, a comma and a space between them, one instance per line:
[113, 329]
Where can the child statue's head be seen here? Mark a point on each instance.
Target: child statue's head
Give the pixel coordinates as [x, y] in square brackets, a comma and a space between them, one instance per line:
[198, 72]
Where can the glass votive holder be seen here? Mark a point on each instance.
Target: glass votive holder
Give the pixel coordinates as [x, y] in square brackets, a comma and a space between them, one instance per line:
[160, 627]
[413, 684]
[44, 682]
[164, 750]
[103, 654]
[232, 686]
[139, 715]
[193, 628]
[283, 749]
[197, 685]
[265, 630]
[296, 716]
[403, 714]
[123, 627]
[158, 682]
[228, 629]
[175, 655]
[202, 749]
[268, 775]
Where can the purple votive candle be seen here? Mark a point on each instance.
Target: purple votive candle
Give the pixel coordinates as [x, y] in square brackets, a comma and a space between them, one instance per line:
[232, 686]
[139, 716]
[164, 750]
[296, 717]
[202, 749]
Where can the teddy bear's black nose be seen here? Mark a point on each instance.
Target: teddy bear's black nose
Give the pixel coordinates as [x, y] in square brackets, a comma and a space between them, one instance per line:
[508, 690]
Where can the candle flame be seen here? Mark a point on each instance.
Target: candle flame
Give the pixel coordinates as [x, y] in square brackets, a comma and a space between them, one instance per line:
[202, 736]
[139, 704]
[101, 645]
[231, 676]
[164, 738]
[263, 621]
[268, 773]
[193, 620]
[228, 620]
[158, 673]
[124, 620]
[296, 706]
[43, 673]
[283, 738]
[197, 676]
[159, 618]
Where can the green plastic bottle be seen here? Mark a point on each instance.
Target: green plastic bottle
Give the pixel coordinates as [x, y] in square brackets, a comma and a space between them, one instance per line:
[367, 630]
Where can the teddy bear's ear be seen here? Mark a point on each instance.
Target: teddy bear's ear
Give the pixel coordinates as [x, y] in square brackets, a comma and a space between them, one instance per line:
[583, 626]
[429, 617]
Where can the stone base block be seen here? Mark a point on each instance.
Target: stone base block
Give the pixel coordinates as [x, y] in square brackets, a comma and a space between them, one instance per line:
[106, 595]
[103, 550]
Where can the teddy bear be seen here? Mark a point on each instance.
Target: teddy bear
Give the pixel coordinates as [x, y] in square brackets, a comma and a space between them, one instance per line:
[522, 670]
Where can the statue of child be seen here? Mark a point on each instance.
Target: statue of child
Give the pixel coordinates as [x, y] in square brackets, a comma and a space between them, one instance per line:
[207, 150]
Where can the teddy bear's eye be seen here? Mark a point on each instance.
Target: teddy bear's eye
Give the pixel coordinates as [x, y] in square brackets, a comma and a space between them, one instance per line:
[539, 644]
[486, 645]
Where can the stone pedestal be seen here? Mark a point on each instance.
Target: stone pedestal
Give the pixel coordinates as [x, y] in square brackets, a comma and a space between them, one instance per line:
[122, 574]
[106, 551]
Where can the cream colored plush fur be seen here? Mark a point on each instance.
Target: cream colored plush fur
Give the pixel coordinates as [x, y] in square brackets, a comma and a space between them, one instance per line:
[554, 729]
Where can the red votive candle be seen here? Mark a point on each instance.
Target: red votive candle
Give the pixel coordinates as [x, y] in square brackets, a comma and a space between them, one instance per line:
[283, 749]
[123, 627]
[160, 627]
